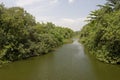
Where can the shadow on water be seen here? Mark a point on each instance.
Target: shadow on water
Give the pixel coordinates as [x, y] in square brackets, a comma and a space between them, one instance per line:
[67, 63]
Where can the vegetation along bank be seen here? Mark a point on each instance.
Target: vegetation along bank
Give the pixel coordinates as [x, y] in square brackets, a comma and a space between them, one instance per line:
[22, 37]
[101, 36]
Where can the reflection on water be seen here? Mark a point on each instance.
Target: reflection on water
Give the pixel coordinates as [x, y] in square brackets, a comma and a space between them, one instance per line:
[67, 63]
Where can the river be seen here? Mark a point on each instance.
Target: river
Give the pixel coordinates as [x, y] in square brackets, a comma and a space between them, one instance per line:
[68, 62]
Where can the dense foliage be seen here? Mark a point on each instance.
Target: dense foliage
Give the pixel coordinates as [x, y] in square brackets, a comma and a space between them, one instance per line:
[101, 35]
[21, 37]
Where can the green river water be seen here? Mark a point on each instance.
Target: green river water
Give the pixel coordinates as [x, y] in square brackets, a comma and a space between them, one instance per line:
[68, 62]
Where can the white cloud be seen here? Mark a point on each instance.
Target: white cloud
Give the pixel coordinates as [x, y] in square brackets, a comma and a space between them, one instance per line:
[31, 2]
[46, 19]
[71, 1]
[68, 20]
[53, 1]
[26, 2]
[75, 24]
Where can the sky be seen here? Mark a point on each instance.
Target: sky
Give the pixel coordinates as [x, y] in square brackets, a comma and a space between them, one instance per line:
[66, 13]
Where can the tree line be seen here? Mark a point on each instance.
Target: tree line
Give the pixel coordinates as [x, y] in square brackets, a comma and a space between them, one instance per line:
[22, 37]
[101, 36]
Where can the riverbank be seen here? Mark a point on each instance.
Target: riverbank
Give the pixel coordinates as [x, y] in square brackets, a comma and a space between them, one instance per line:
[101, 56]
[65, 41]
